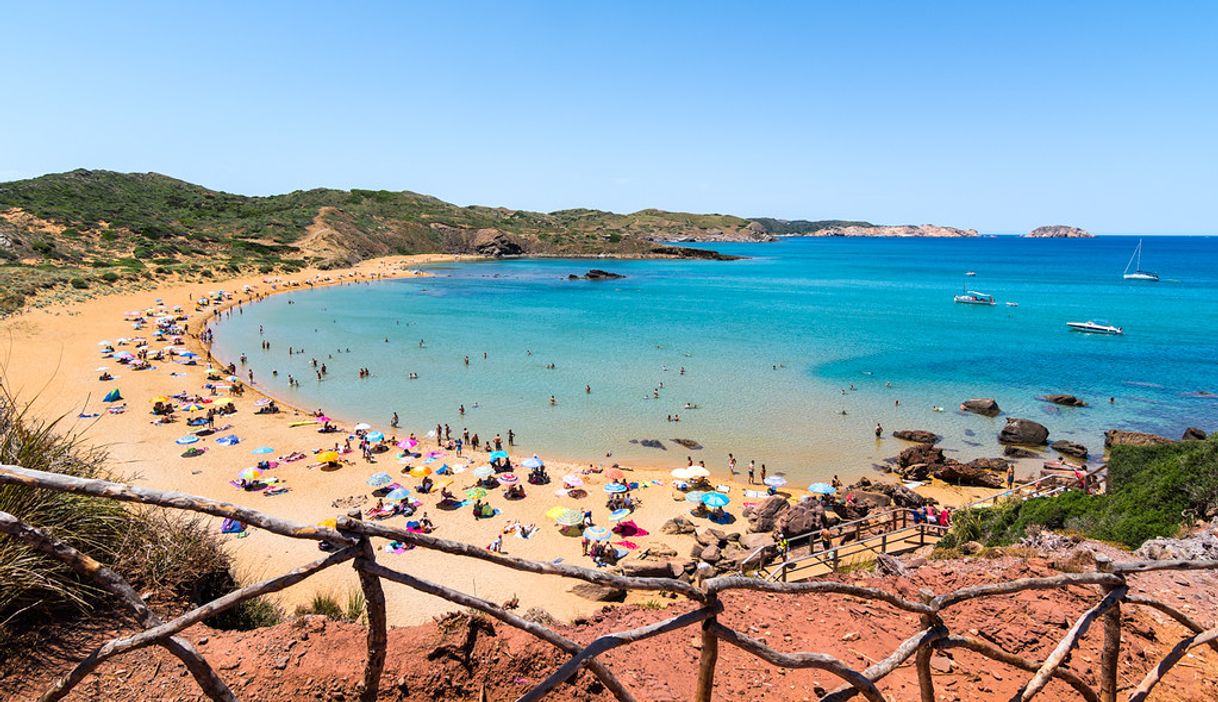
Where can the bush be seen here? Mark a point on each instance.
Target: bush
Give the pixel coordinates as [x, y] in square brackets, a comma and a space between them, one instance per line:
[1156, 490]
[78, 283]
[328, 604]
[109, 276]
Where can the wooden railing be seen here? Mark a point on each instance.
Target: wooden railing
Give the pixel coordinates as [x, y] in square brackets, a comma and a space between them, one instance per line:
[352, 541]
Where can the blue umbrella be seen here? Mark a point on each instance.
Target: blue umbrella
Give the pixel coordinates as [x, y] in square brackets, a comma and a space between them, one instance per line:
[533, 462]
[380, 479]
[822, 488]
[376, 436]
[496, 455]
[398, 494]
[597, 533]
[715, 499]
[229, 440]
[614, 488]
[187, 440]
[618, 515]
[263, 449]
[775, 481]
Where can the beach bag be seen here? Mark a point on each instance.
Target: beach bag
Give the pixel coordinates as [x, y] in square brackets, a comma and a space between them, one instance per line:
[231, 526]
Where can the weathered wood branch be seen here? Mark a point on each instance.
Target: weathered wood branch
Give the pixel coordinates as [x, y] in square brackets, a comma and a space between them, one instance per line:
[740, 582]
[819, 661]
[553, 638]
[1173, 656]
[1003, 588]
[209, 610]
[1146, 566]
[1042, 676]
[1015, 661]
[16, 475]
[878, 670]
[88, 568]
[542, 568]
[611, 641]
[1186, 621]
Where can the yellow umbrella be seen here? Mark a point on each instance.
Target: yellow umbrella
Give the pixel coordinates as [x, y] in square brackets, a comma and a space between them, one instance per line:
[420, 472]
[444, 482]
[554, 511]
[159, 398]
[328, 457]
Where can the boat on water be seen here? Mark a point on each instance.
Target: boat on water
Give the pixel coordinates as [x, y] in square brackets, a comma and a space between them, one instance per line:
[972, 297]
[970, 274]
[1136, 262]
[1012, 304]
[1095, 326]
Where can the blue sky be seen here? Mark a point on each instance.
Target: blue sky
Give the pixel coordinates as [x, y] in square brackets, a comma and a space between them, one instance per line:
[994, 115]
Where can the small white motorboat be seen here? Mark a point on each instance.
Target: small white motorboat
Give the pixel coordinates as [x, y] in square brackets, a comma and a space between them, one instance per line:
[1012, 304]
[972, 297]
[1096, 327]
[970, 274]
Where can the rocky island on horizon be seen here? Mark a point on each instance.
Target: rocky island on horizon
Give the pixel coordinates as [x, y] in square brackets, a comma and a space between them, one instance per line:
[1059, 231]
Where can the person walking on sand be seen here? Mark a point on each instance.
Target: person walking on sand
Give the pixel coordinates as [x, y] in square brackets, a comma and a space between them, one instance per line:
[1010, 476]
[751, 481]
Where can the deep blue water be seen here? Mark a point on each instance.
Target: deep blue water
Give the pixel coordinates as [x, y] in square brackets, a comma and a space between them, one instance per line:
[875, 314]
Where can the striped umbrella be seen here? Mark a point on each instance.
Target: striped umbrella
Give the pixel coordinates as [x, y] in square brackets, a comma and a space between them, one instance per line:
[618, 515]
[380, 479]
[615, 488]
[570, 517]
[475, 493]
[597, 533]
[398, 494]
[508, 479]
[250, 474]
[694, 496]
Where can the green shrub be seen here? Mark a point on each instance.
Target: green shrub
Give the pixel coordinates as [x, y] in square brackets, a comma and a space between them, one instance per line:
[328, 604]
[78, 283]
[109, 276]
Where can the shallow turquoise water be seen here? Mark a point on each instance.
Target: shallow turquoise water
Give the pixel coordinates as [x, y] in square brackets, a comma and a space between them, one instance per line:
[875, 314]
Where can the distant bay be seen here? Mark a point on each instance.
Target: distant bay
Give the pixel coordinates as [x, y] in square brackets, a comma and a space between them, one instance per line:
[775, 348]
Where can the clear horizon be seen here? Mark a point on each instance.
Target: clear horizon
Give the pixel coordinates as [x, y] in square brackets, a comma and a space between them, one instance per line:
[995, 117]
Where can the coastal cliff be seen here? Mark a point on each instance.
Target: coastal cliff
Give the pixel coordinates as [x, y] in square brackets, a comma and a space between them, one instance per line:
[1058, 231]
[902, 230]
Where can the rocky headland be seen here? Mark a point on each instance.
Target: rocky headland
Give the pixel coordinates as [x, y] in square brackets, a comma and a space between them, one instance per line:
[1058, 231]
[900, 230]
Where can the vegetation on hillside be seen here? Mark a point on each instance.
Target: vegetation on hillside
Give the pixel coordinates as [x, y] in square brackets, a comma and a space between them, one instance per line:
[804, 226]
[1155, 491]
[97, 228]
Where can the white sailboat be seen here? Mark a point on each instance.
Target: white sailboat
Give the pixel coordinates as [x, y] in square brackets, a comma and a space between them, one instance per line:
[1138, 273]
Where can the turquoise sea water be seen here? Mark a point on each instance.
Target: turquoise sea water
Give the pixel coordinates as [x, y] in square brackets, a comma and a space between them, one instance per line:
[770, 345]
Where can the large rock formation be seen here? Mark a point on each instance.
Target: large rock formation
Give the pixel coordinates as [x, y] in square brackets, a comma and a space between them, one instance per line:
[920, 453]
[981, 405]
[496, 243]
[1023, 431]
[1058, 231]
[1070, 448]
[1019, 452]
[979, 473]
[920, 436]
[1065, 400]
[1194, 434]
[764, 517]
[808, 515]
[596, 274]
[1120, 437]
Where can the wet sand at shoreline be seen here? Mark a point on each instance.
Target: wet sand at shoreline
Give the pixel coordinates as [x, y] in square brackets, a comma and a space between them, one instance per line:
[49, 356]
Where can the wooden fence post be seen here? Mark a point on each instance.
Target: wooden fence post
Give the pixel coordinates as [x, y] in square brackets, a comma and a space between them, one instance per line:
[709, 657]
[374, 603]
[1111, 653]
[926, 684]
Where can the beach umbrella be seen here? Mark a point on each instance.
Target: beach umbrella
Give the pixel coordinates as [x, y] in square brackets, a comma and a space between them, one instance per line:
[497, 455]
[715, 499]
[420, 472]
[159, 398]
[398, 494]
[187, 440]
[250, 474]
[822, 489]
[104, 342]
[330, 523]
[192, 407]
[363, 426]
[556, 510]
[681, 474]
[263, 450]
[533, 462]
[775, 481]
[380, 479]
[102, 369]
[323, 418]
[508, 479]
[694, 496]
[376, 436]
[697, 472]
[615, 488]
[230, 440]
[573, 480]
[328, 457]
[597, 533]
[614, 474]
[407, 444]
[475, 493]
[483, 472]
[189, 354]
[569, 517]
[618, 515]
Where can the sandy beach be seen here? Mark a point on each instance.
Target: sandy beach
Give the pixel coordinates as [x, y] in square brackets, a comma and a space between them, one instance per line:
[49, 357]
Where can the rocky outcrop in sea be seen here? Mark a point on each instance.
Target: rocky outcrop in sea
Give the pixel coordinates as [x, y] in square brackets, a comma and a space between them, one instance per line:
[1058, 231]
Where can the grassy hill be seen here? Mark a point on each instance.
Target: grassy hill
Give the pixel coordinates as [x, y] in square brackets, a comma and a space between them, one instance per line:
[86, 228]
[803, 226]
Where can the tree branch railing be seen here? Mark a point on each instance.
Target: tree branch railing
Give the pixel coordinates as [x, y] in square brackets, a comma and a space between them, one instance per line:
[352, 537]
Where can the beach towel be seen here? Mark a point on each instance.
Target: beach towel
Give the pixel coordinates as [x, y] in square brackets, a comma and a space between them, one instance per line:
[755, 493]
[231, 526]
[229, 440]
[274, 490]
[628, 545]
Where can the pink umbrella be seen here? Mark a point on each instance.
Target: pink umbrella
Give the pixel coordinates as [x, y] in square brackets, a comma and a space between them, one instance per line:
[323, 418]
[407, 444]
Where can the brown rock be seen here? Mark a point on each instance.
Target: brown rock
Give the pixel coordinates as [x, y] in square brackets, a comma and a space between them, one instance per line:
[764, 517]
[1194, 434]
[920, 436]
[677, 525]
[1120, 437]
[981, 405]
[598, 593]
[920, 453]
[1065, 400]
[958, 473]
[1019, 452]
[1023, 431]
[1070, 448]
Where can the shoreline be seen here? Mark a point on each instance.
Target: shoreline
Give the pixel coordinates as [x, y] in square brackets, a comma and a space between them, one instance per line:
[49, 363]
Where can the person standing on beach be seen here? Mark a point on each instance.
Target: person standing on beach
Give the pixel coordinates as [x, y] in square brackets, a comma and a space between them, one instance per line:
[1010, 476]
[439, 435]
[731, 465]
[751, 465]
[394, 421]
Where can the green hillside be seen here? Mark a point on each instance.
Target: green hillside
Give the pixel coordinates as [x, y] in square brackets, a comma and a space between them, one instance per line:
[804, 226]
[92, 228]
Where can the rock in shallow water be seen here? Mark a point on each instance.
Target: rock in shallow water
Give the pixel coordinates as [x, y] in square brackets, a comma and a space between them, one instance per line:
[1023, 431]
